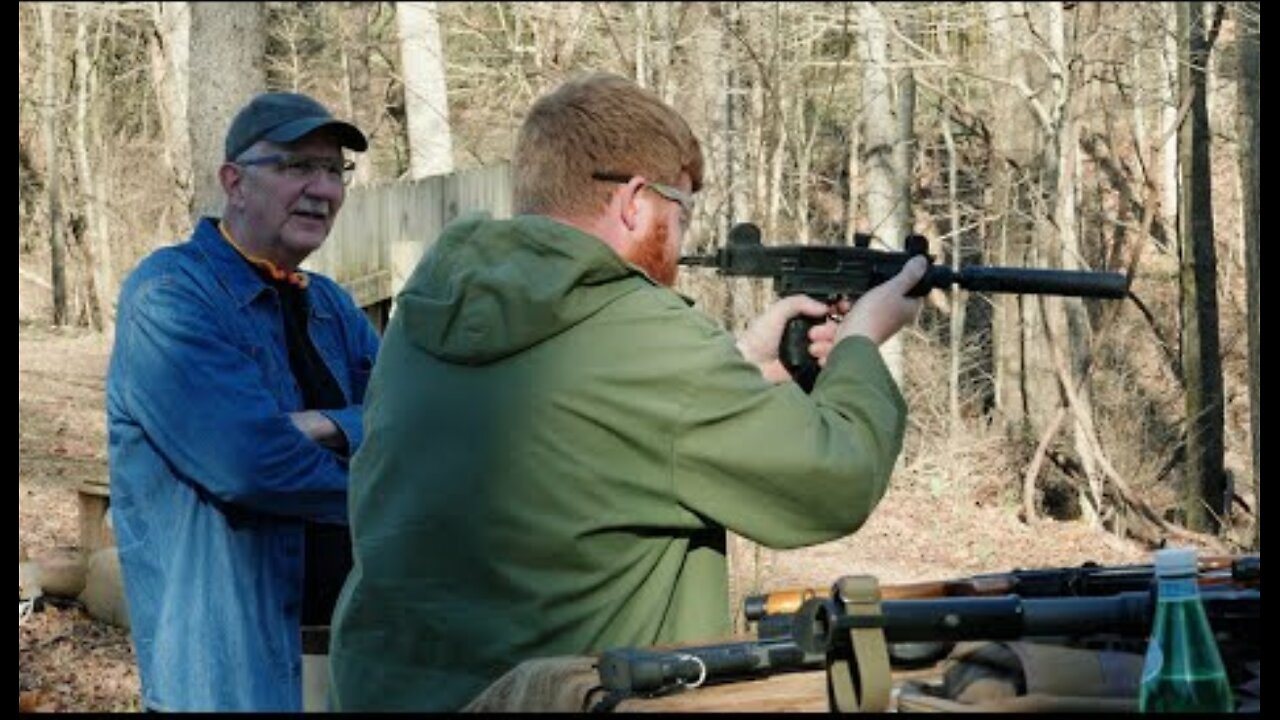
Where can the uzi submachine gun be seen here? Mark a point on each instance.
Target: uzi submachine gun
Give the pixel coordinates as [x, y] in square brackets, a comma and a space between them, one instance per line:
[830, 272]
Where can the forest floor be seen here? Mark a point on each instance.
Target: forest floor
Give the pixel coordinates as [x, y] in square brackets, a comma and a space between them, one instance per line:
[68, 661]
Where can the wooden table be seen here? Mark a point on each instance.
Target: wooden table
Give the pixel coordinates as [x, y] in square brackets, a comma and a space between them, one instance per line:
[570, 684]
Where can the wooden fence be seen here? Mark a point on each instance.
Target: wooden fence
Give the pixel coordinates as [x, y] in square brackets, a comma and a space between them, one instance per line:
[383, 230]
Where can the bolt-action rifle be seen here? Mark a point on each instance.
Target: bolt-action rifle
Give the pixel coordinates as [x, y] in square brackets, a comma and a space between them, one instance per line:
[830, 272]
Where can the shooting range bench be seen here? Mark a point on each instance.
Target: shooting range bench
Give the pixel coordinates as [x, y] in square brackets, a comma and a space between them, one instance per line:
[997, 677]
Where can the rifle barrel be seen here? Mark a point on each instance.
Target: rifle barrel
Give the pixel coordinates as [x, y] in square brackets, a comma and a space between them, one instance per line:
[820, 624]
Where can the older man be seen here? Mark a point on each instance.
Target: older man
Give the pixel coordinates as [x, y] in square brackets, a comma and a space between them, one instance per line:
[233, 403]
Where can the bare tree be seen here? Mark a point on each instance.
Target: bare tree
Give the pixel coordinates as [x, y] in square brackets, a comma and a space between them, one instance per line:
[958, 304]
[1010, 145]
[359, 102]
[1204, 495]
[426, 100]
[713, 110]
[1168, 168]
[1066, 63]
[1248, 125]
[98, 247]
[773, 129]
[170, 52]
[226, 69]
[740, 81]
[888, 99]
[49, 112]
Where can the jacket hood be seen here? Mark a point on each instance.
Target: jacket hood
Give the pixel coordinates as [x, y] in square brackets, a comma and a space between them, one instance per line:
[490, 288]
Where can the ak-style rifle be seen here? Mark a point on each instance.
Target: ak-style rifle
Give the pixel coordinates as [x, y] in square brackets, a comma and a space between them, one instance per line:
[819, 628]
[801, 629]
[1089, 579]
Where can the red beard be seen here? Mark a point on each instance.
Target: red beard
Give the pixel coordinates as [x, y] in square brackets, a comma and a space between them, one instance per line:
[656, 257]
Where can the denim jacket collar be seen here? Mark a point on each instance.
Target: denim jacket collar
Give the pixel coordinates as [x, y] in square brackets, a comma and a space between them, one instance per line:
[232, 270]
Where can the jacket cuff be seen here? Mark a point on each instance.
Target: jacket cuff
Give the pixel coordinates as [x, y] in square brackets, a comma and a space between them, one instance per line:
[348, 420]
[856, 360]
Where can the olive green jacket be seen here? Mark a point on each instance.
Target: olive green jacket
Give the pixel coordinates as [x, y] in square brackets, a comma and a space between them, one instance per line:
[554, 447]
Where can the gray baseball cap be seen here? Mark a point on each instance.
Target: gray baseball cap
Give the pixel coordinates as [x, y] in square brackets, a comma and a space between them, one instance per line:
[283, 118]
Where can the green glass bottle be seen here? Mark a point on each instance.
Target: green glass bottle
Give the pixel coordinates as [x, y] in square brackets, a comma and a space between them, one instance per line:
[1183, 671]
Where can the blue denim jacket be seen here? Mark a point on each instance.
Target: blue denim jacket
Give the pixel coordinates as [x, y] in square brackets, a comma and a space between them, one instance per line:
[210, 480]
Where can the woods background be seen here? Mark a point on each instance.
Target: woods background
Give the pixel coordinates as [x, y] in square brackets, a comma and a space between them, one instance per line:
[1103, 136]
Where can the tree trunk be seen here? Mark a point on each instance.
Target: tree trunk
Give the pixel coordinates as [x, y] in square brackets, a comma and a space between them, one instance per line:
[98, 247]
[958, 296]
[1248, 125]
[425, 94]
[357, 94]
[887, 120]
[760, 119]
[731, 133]
[1204, 497]
[226, 69]
[1043, 318]
[806, 123]
[1008, 140]
[1079, 333]
[888, 203]
[803, 138]
[170, 50]
[641, 11]
[49, 106]
[1168, 168]
[663, 51]
[853, 165]
[777, 161]
[744, 293]
[712, 113]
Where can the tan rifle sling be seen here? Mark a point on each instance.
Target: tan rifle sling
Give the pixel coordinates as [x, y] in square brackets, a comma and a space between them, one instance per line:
[869, 655]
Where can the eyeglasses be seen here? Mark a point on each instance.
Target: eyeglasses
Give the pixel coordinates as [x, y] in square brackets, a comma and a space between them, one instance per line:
[674, 194]
[297, 167]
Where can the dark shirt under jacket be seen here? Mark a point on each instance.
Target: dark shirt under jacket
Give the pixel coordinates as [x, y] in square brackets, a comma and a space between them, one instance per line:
[328, 547]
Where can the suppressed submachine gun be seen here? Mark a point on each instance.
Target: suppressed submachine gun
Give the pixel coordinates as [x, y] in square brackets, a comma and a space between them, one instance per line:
[829, 272]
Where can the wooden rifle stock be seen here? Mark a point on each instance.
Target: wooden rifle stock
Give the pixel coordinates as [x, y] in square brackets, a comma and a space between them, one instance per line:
[1085, 580]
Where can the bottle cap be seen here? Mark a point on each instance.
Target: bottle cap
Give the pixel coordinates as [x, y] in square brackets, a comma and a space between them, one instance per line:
[1175, 561]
